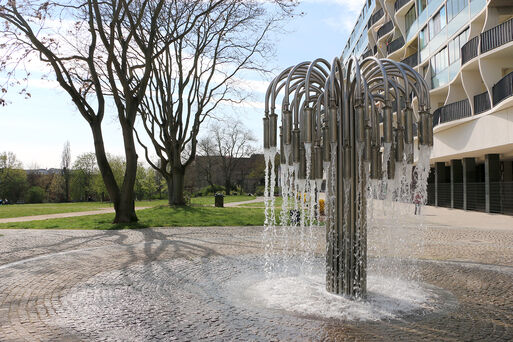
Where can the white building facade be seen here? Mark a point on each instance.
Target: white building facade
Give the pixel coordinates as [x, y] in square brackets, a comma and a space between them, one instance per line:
[464, 50]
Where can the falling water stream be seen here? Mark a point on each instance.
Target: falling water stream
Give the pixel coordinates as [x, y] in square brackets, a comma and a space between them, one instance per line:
[294, 253]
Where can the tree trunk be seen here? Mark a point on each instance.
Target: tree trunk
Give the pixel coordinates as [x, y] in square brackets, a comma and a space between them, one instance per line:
[227, 186]
[125, 210]
[126, 213]
[175, 186]
[123, 200]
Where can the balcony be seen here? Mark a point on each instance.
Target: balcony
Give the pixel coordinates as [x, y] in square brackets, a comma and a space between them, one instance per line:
[412, 61]
[395, 45]
[503, 89]
[453, 111]
[386, 28]
[469, 50]
[399, 4]
[497, 36]
[367, 53]
[375, 17]
[481, 103]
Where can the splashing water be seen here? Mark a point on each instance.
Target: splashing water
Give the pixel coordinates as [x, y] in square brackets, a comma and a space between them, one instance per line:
[388, 220]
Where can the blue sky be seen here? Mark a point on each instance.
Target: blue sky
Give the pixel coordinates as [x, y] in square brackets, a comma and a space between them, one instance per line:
[36, 129]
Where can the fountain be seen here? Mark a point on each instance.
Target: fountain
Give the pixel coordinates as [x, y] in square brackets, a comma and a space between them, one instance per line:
[356, 127]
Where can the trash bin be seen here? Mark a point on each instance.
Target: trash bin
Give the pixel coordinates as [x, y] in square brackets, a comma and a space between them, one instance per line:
[219, 200]
[295, 217]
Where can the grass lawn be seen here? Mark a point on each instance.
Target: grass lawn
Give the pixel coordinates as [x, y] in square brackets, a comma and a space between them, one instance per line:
[161, 216]
[18, 210]
[277, 203]
[209, 200]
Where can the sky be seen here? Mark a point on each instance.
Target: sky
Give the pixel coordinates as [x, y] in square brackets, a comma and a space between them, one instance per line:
[37, 128]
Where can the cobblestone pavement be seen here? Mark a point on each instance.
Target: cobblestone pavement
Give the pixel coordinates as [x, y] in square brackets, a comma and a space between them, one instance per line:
[177, 284]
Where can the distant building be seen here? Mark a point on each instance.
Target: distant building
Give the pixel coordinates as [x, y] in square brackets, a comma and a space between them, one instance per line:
[207, 170]
[51, 171]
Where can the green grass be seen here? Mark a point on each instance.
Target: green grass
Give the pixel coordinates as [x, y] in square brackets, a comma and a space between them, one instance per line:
[19, 210]
[277, 203]
[162, 216]
[209, 200]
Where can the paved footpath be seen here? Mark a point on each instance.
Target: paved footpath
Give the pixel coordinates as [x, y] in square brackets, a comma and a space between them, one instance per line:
[166, 284]
[61, 215]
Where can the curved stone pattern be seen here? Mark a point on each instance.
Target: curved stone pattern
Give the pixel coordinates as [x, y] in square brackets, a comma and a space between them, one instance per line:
[172, 284]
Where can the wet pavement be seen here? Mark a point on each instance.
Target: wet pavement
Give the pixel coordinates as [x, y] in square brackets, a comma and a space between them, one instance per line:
[189, 284]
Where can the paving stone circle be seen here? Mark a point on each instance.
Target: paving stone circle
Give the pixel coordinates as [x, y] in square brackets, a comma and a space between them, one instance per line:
[178, 284]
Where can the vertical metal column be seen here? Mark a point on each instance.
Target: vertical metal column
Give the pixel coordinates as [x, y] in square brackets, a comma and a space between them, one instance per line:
[492, 179]
[439, 179]
[456, 180]
[469, 177]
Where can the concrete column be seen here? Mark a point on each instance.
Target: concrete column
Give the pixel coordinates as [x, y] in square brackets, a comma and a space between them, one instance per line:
[469, 176]
[456, 178]
[439, 179]
[492, 175]
[508, 171]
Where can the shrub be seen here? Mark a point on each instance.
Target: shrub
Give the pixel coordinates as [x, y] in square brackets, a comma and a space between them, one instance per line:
[35, 195]
[209, 190]
[259, 190]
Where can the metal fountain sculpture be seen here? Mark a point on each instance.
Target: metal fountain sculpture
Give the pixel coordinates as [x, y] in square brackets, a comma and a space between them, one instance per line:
[357, 121]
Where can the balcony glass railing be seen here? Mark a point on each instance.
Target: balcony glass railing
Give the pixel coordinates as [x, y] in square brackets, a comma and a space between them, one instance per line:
[453, 111]
[469, 50]
[476, 6]
[412, 61]
[454, 69]
[375, 17]
[386, 28]
[503, 89]
[438, 40]
[440, 79]
[395, 45]
[481, 103]
[497, 36]
[400, 3]
[460, 20]
[367, 53]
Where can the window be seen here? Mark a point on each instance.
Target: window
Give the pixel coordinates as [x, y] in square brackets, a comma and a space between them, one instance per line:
[424, 37]
[455, 46]
[439, 61]
[454, 7]
[437, 23]
[421, 4]
[410, 18]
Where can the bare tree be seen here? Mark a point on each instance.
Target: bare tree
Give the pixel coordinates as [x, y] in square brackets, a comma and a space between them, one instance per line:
[232, 142]
[65, 169]
[100, 53]
[191, 79]
[209, 163]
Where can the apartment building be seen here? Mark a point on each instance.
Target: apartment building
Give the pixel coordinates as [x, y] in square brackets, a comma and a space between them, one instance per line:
[464, 50]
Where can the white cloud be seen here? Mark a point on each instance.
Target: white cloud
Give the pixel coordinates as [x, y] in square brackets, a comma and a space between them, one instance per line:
[346, 13]
[350, 5]
[256, 86]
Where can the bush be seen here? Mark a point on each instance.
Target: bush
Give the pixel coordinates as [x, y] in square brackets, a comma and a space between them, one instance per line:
[35, 195]
[260, 190]
[209, 190]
